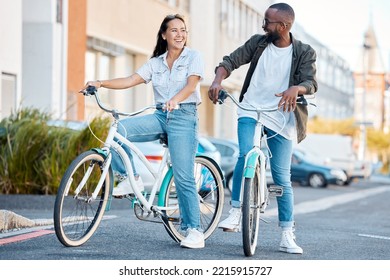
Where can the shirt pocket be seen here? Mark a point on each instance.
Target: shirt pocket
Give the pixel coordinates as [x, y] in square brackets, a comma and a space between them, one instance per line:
[160, 78]
[181, 72]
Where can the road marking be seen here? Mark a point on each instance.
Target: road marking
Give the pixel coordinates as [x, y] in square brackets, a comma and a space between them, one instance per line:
[374, 236]
[25, 236]
[328, 202]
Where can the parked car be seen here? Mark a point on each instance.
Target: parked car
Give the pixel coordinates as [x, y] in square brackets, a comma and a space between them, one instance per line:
[337, 152]
[154, 151]
[229, 153]
[307, 171]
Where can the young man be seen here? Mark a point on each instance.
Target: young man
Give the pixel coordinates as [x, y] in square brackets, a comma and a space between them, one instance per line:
[281, 68]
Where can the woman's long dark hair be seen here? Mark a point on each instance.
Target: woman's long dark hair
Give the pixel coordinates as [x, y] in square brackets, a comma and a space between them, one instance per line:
[161, 45]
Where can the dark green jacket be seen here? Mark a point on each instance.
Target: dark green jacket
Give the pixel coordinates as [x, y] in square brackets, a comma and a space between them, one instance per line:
[303, 71]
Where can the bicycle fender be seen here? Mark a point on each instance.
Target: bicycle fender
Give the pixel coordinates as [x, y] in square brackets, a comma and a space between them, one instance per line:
[164, 187]
[216, 166]
[250, 166]
[101, 152]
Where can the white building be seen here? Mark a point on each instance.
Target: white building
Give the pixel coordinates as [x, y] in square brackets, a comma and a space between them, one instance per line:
[10, 55]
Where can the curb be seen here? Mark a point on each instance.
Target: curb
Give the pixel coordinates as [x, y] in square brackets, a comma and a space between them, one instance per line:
[10, 221]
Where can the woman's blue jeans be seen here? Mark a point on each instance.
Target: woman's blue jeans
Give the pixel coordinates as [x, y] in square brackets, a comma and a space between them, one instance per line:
[281, 152]
[181, 126]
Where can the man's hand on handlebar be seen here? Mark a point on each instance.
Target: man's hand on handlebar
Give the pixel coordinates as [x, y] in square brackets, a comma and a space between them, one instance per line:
[213, 92]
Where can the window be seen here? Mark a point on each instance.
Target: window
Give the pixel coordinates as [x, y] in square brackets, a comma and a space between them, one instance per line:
[8, 94]
[59, 11]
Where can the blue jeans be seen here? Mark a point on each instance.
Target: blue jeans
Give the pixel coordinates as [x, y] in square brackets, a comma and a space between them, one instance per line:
[281, 151]
[181, 126]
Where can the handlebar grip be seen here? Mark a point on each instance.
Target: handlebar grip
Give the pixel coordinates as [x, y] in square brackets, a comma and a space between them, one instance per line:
[222, 95]
[90, 90]
[302, 100]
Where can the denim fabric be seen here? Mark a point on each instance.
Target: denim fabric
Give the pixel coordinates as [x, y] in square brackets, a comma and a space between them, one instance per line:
[181, 126]
[281, 152]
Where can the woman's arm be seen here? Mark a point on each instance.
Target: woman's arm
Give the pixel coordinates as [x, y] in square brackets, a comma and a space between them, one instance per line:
[117, 83]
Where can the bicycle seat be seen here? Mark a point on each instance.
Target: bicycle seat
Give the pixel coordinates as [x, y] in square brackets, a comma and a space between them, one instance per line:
[164, 139]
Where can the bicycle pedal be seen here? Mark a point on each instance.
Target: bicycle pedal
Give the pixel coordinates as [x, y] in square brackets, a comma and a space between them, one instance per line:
[173, 219]
[231, 229]
[129, 196]
[275, 191]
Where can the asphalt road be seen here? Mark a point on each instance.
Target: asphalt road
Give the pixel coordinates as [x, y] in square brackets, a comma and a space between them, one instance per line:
[335, 223]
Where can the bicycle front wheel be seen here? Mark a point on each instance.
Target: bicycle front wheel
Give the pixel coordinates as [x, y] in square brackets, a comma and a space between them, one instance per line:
[251, 213]
[210, 188]
[76, 213]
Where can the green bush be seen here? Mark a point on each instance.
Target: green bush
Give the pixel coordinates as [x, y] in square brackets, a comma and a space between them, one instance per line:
[34, 155]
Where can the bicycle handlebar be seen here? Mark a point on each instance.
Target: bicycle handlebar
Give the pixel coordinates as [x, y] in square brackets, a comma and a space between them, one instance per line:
[91, 90]
[223, 94]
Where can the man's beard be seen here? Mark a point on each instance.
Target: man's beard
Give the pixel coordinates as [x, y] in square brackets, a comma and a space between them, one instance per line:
[272, 37]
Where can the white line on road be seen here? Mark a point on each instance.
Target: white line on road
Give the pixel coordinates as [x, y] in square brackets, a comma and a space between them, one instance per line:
[375, 236]
[328, 202]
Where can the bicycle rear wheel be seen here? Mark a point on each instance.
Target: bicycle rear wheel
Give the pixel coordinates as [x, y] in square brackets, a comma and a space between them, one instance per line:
[76, 214]
[211, 198]
[251, 213]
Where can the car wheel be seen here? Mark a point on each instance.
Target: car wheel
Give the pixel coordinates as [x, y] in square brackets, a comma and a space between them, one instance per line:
[317, 180]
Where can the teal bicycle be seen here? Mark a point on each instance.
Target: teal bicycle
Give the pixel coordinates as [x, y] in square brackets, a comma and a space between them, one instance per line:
[255, 195]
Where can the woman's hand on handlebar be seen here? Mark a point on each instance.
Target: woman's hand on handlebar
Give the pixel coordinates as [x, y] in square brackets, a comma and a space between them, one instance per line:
[97, 84]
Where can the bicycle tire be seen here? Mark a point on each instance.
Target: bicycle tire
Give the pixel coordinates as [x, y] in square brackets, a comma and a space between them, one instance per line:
[251, 213]
[76, 218]
[211, 196]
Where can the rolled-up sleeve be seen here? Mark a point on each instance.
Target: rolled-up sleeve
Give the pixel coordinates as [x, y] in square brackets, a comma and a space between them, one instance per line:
[146, 71]
[196, 66]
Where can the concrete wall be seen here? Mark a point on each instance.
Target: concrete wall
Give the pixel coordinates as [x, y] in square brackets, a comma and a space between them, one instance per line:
[10, 54]
[44, 56]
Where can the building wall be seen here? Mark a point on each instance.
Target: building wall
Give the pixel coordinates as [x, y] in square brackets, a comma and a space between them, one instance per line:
[104, 39]
[44, 55]
[10, 56]
[77, 46]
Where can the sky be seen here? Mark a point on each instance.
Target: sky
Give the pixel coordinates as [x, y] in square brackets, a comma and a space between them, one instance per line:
[340, 24]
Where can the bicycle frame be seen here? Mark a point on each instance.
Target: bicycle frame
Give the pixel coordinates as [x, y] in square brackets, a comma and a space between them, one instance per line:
[157, 174]
[255, 156]
[161, 179]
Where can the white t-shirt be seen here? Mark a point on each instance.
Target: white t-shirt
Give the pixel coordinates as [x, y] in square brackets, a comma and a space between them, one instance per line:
[271, 76]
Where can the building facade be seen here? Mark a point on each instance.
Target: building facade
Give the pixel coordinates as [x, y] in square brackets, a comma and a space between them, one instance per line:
[10, 56]
[67, 42]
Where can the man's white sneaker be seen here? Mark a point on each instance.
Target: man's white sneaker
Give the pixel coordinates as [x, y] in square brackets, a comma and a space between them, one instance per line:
[124, 187]
[233, 222]
[194, 239]
[288, 244]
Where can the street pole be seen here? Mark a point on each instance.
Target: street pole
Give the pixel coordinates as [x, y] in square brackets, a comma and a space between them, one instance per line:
[363, 128]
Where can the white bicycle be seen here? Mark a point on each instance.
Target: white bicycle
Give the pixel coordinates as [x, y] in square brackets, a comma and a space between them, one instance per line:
[85, 191]
[255, 194]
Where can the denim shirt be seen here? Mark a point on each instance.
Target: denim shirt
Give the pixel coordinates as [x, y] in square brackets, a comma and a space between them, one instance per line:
[303, 71]
[167, 83]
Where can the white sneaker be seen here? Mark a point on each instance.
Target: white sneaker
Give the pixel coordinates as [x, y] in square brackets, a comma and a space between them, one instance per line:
[233, 222]
[124, 187]
[194, 239]
[288, 244]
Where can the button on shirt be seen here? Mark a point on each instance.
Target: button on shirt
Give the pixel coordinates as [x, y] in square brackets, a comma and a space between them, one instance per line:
[167, 83]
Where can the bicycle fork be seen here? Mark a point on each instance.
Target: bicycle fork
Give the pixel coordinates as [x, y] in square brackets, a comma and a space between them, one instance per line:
[256, 157]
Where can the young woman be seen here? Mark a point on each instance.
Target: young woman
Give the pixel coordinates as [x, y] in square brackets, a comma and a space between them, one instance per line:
[175, 71]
